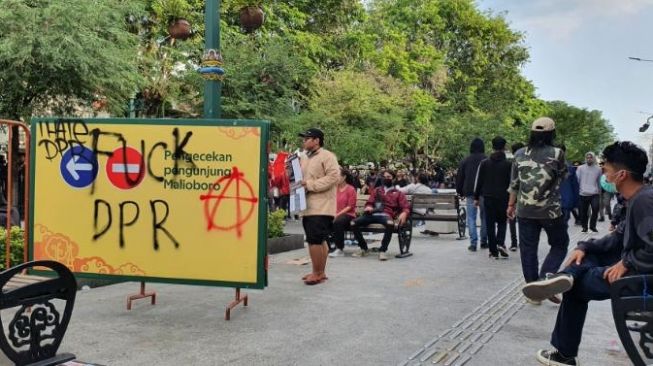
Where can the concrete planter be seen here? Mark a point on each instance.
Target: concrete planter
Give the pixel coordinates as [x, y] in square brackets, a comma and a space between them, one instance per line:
[285, 243]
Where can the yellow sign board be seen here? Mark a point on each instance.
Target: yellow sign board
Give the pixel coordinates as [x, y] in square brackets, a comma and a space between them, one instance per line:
[180, 201]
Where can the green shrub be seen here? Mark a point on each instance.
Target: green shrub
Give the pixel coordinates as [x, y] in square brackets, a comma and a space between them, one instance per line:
[276, 221]
[17, 245]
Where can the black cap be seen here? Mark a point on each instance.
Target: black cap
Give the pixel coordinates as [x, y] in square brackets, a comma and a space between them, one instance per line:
[312, 132]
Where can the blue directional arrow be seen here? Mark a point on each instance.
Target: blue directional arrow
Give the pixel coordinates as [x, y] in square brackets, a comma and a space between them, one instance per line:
[79, 166]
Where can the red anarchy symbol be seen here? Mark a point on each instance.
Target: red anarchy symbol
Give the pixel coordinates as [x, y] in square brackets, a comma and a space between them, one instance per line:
[212, 200]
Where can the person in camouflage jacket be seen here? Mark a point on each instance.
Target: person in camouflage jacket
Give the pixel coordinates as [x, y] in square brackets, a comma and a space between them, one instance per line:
[537, 171]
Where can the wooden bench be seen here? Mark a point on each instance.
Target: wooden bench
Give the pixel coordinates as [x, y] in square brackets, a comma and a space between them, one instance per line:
[632, 310]
[404, 233]
[21, 280]
[440, 207]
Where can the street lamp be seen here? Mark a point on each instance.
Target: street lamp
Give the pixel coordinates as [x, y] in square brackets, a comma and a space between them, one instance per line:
[639, 59]
[646, 124]
[212, 63]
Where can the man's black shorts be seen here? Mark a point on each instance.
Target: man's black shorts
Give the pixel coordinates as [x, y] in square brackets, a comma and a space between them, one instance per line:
[317, 228]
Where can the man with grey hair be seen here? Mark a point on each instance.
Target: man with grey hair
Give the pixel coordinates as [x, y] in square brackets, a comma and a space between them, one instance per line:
[589, 177]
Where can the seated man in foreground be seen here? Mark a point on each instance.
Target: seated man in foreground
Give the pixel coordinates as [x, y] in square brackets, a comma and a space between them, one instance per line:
[387, 206]
[594, 265]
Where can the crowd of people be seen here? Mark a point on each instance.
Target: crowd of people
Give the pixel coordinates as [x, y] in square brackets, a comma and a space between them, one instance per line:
[534, 190]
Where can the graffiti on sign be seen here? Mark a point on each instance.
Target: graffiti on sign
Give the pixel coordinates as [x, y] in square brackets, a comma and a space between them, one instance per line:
[130, 191]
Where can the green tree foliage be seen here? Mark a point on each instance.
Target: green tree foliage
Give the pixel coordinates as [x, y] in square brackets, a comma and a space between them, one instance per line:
[391, 79]
[415, 40]
[362, 114]
[16, 245]
[56, 55]
[580, 130]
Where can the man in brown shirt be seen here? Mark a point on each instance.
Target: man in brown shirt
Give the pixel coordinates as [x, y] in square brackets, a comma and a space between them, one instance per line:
[320, 172]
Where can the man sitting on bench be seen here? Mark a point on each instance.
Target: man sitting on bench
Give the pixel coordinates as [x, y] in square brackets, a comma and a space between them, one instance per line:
[593, 266]
[385, 206]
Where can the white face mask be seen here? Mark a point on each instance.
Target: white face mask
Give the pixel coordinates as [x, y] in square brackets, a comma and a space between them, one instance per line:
[611, 179]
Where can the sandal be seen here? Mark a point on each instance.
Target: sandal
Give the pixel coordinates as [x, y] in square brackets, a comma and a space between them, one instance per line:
[310, 274]
[314, 280]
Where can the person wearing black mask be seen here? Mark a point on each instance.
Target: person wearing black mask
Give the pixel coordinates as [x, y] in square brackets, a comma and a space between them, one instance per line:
[386, 206]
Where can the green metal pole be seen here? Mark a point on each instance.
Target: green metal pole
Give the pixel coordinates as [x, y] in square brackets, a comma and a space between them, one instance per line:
[212, 88]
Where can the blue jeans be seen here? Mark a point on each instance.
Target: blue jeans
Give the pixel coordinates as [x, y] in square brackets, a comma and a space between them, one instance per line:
[471, 221]
[588, 285]
[529, 240]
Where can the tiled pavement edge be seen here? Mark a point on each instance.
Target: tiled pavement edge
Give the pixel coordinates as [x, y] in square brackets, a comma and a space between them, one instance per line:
[462, 342]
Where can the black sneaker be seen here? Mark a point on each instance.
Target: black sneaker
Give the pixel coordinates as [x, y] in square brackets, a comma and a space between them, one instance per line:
[601, 219]
[555, 358]
[471, 248]
[502, 250]
[594, 230]
[513, 248]
[544, 289]
[493, 256]
[484, 246]
[583, 231]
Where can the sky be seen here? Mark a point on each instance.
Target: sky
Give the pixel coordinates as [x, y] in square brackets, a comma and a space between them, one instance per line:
[579, 53]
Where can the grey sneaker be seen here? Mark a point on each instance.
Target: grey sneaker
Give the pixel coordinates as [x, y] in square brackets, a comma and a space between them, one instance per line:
[383, 256]
[544, 289]
[360, 253]
[555, 358]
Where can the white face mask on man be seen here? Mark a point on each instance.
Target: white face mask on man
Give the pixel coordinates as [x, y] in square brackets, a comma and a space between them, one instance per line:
[609, 181]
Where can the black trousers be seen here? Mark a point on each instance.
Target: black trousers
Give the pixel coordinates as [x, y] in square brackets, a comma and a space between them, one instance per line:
[513, 232]
[496, 220]
[373, 219]
[341, 224]
[585, 203]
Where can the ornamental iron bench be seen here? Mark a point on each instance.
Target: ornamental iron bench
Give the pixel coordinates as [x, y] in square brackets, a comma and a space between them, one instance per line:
[632, 310]
[35, 331]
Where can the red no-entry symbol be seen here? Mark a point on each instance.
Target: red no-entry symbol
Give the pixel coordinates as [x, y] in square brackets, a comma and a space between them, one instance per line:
[233, 188]
[126, 168]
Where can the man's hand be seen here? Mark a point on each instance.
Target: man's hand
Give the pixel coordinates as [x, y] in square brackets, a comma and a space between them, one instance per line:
[615, 272]
[303, 183]
[368, 209]
[611, 228]
[576, 257]
[401, 220]
[477, 203]
[511, 212]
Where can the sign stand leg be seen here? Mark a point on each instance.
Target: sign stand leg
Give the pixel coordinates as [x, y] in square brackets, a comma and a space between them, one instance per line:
[141, 295]
[233, 304]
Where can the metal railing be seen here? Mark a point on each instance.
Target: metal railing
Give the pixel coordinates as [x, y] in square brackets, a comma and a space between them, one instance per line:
[9, 192]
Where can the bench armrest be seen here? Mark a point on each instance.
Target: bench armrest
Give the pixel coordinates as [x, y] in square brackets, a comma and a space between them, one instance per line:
[631, 299]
